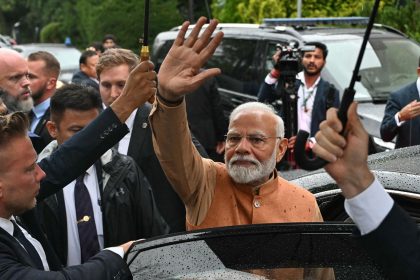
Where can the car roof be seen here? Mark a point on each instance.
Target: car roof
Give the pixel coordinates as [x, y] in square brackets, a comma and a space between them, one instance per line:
[37, 46]
[68, 56]
[43, 45]
[292, 30]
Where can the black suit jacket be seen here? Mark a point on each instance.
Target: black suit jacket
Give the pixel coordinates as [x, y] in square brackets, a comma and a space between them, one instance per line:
[205, 114]
[80, 78]
[395, 245]
[15, 264]
[408, 134]
[42, 131]
[63, 166]
[141, 150]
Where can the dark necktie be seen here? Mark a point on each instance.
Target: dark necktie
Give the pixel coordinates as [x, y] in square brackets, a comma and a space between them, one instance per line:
[88, 236]
[30, 249]
[31, 116]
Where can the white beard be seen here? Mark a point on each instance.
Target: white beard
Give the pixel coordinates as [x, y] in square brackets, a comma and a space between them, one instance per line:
[254, 174]
[13, 104]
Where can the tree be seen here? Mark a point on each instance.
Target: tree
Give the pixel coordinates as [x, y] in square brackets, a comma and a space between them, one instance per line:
[404, 18]
[401, 14]
[124, 20]
[88, 20]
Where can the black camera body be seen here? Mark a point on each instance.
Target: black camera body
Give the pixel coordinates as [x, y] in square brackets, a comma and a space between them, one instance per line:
[289, 63]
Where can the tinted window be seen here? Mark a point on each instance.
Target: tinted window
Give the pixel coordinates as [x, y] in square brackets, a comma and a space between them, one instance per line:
[387, 65]
[235, 58]
[160, 51]
[255, 252]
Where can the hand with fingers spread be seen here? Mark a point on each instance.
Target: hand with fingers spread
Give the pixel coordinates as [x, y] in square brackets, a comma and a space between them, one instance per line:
[139, 87]
[347, 154]
[180, 71]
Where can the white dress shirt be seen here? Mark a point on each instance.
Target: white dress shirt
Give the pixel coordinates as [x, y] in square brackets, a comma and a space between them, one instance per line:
[304, 93]
[7, 225]
[369, 208]
[73, 243]
[308, 95]
[125, 142]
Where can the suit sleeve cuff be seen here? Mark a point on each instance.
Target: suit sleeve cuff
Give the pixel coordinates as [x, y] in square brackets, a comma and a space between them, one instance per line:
[369, 208]
[117, 250]
[397, 120]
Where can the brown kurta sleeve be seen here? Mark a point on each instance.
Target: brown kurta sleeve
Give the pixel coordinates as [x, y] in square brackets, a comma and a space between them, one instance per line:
[192, 176]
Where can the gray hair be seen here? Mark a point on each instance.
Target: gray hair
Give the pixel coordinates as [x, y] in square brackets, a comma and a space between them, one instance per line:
[258, 106]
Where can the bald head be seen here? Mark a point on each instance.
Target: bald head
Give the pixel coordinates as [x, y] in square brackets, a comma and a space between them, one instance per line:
[14, 82]
[9, 53]
[10, 60]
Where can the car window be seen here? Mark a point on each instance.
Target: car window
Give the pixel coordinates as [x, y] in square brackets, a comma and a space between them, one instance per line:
[399, 62]
[388, 64]
[159, 52]
[69, 58]
[272, 251]
[340, 64]
[271, 50]
[235, 58]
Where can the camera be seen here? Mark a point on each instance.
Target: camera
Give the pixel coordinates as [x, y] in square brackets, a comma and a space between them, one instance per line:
[290, 59]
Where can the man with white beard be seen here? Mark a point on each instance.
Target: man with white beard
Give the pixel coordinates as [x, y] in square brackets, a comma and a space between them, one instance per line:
[14, 81]
[245, 190]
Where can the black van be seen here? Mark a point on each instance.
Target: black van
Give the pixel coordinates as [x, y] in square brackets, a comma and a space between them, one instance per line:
[245, 58]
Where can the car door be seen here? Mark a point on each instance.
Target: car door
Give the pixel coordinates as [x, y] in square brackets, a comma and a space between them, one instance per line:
[268, 251]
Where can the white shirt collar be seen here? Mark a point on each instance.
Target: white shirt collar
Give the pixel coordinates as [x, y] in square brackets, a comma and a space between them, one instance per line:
[95, 80]
[130, 121]
[301, 76]
[40, 109]
[91, 171]
[7, 225]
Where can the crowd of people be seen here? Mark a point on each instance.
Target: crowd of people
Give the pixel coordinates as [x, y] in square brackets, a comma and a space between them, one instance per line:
[92, 165]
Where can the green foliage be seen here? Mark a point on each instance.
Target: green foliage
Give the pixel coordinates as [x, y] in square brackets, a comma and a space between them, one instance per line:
[52, 33]
[124, 20]
[85, 21]
[404, 18]
[227, 10]
[253, 11]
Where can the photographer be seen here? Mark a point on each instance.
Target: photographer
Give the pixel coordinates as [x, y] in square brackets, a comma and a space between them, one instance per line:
[314, 95]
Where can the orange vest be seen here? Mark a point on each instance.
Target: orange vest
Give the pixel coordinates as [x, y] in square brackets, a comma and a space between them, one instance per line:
[278, 201]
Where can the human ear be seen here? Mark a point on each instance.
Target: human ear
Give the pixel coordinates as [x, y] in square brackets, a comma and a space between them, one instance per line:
[52, 129]
[281, 148]
[52, 83]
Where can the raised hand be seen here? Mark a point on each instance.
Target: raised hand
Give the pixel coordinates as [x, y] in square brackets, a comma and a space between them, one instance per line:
[140, 86]
[347, 154]
[180, 71]
[410, 111]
